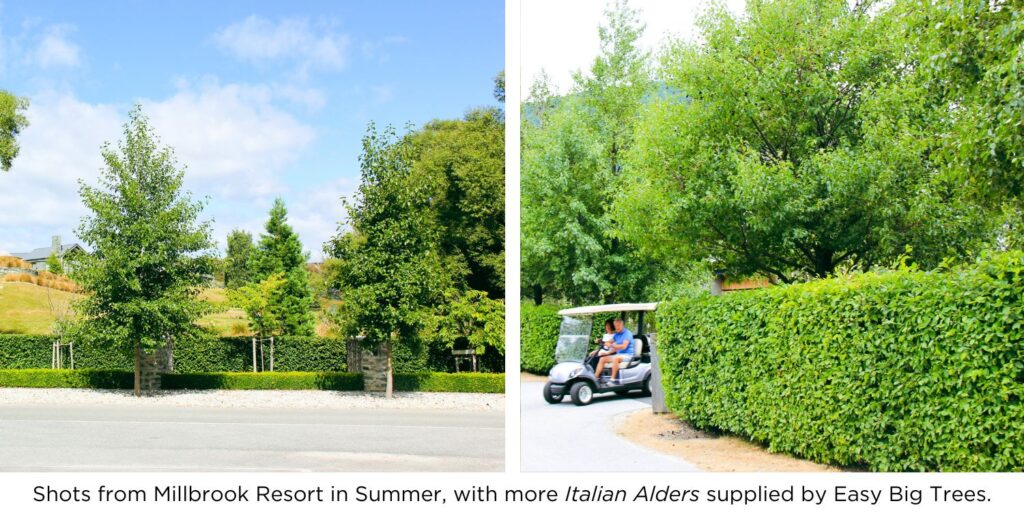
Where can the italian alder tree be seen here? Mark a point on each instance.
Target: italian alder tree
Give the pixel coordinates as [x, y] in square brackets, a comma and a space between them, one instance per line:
[573, 149]
[12, 122]
[390, 267]
[151, 254]
[788, 143]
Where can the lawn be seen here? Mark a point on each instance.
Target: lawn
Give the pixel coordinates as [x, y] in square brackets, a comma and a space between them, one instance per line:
[25, 309]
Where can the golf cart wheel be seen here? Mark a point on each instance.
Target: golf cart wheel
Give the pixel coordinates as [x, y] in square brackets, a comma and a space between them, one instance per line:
[581, 393]
[552, 398]
[647, 386]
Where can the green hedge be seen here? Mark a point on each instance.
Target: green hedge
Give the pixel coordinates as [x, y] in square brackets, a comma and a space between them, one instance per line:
[191, 355]
[538, 334]
[451, 382]
[899, 371]
[335, 381]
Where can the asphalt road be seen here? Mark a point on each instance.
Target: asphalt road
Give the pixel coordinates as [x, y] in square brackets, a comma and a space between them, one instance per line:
[159, 438]
[564, 437]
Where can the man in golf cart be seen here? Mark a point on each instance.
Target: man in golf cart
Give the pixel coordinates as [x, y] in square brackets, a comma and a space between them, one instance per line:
[618, 350]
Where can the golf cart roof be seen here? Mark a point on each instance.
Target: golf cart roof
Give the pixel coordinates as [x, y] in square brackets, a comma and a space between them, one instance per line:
[609, 308]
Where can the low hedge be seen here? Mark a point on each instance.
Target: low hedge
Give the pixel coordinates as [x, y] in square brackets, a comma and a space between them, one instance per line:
[191, 355]
[538, 334]
[897, 371]
[334, 381]
[451, 382]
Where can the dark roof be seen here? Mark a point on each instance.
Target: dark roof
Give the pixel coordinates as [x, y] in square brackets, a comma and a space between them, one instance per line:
[42, 253]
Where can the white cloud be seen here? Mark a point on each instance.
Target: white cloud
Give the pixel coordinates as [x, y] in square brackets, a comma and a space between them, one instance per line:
[309, 45]
[232, 138]
[234, 141]
[561, 37]
[316, 217]
[54, 48]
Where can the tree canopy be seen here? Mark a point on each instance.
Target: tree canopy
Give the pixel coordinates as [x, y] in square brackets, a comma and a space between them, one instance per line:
[279, 252]
[12, 122]
[238, 265]
[151, 252]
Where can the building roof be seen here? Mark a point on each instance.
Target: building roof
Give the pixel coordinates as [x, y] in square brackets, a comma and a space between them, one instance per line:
[42, 253]
[609, 308]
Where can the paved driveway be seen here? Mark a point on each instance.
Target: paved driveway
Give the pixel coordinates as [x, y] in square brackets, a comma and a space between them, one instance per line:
[167, 438]
[565, 437]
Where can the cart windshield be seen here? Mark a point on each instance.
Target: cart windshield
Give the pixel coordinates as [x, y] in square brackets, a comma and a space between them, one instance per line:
[573, 339]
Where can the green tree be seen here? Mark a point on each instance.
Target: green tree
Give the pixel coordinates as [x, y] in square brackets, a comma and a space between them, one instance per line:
[53, 264]
[463, 163]
[150, 252]
[12, 122]
[238, 263]
[391, 269]
[573, 150]
[786, 144]
[260, 302]
[280, 252]
[469, 317]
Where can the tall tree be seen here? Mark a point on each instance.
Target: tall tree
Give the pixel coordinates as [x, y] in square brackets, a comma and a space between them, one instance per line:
[150, 252]
[786, 145]
[390, 265]
[572, 155]
[12, 121]
[238, 264]
[462, 162]
[280, 252]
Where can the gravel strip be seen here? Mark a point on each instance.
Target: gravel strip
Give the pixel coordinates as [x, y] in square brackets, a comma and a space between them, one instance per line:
[233, 399]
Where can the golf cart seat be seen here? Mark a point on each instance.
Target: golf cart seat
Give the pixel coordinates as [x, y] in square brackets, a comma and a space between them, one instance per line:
[638, 349]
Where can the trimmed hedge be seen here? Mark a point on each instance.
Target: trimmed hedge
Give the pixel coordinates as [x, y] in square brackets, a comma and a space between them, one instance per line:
[334, 381]
[898, 371]
[191, 355]
[538, 335]
[451, 382]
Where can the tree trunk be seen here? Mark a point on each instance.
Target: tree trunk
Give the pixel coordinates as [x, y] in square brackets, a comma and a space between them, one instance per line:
[138, 370]
[538, 295]
[390, 385]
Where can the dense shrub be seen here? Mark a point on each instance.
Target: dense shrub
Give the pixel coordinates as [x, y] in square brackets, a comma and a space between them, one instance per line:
[899, 371]
[199, 354]
[334, 381]
[451, 382]
[538, 334]
[97, 379]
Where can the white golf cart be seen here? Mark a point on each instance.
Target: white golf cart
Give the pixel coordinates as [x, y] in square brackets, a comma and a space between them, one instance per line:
[576, 355]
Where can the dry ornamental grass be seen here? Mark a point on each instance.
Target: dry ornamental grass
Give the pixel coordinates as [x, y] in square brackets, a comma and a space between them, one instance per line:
[45, 279]
[12, 262]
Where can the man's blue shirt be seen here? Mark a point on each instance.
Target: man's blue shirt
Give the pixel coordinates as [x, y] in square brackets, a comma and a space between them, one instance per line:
[626, 336]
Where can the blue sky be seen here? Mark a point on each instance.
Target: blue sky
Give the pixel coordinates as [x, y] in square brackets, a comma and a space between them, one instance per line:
[259, 99]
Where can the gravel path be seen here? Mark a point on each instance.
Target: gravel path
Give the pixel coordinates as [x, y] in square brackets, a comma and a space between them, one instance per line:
[257, 399]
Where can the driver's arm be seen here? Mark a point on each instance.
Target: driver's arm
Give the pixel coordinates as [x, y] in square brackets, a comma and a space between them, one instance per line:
[620, 346]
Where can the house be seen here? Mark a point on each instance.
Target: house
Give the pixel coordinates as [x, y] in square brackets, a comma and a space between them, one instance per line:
[37, 257]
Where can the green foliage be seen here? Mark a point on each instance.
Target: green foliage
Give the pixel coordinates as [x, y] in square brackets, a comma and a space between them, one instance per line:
[390, 268]
[12, 122]
[538, 335]
[280, 252]
[897, 371]
[238, 265]
[469, 320]
[573, 151]
[332, 381]
[451, 382]
[94, 379]
[193, 354]
[150, 253]
[54, 265]
[790, 143]
[968, 57]
[260, 303]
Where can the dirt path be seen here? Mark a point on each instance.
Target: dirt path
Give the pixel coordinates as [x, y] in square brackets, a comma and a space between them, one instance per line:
[667, 434]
